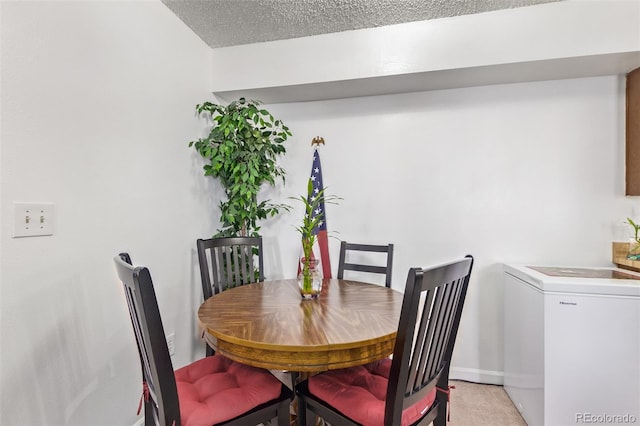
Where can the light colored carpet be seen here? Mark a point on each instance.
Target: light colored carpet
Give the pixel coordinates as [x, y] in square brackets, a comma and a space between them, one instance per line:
[474, 404]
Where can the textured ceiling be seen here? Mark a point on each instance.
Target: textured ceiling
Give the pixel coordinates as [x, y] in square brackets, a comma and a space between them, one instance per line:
[232, 22]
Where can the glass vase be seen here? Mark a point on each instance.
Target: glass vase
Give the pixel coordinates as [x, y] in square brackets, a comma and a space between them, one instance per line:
[634, 249]
[309, 279]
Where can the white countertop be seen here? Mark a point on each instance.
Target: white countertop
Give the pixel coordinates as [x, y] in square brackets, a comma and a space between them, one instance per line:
[579, 281]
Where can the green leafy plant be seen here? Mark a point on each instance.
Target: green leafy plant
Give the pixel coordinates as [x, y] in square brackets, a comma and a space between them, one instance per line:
[310, 221]
[242, 149]
[636, 235]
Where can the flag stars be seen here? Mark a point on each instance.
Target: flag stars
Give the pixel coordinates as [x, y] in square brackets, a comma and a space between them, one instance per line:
[315, 196]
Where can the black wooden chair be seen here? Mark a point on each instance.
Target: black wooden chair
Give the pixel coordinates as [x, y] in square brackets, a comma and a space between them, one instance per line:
[229, 262]
[413, 387]
[343, 265]
[201, 392]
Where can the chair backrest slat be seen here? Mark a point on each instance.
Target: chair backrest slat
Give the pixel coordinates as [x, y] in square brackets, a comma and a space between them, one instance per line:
[440, 332]
[439, 329]
[431, 311]
[422, 338]
[246, 263]
[228, 262]
[228, 266]
[156, 363]
[386, 270]
[454, 295]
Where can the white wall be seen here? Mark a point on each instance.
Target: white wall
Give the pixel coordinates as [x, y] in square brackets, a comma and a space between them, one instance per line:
[529, 172]
[97, 109]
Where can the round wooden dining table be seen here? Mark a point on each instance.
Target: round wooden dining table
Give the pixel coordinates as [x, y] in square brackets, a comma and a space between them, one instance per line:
[268, 325]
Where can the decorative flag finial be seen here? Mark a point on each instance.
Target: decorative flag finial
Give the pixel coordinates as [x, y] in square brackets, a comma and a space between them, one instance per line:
[317, 141]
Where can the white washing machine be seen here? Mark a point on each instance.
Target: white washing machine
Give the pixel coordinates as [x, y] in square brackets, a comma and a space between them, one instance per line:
[572, 344]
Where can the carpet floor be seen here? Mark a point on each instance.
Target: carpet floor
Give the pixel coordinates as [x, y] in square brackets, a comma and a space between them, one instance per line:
[473, 404]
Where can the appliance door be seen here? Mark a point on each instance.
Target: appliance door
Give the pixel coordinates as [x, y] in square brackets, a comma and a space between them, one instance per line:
[592, 358]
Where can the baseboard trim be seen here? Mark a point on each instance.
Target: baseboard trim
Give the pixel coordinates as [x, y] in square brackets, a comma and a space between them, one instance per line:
[475, 375]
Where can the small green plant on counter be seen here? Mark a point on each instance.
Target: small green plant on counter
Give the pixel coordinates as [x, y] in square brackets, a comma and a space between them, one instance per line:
[635, 249]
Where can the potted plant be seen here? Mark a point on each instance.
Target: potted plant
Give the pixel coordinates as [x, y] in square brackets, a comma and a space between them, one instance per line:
[634, 245]
[242, 148]
[309, 279]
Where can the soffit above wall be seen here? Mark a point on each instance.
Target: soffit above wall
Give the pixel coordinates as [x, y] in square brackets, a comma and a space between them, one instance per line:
[543, 42]
[554, 40]
[222, 23]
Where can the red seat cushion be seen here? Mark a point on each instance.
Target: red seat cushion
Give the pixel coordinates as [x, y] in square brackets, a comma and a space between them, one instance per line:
[359, 393]
[215, 389]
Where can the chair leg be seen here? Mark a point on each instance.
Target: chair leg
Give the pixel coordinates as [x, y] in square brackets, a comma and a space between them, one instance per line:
[302, 415]
[311, 418]
[443, 407]
[149, 419]
[295, 378]
[441, 419]
[283, 414]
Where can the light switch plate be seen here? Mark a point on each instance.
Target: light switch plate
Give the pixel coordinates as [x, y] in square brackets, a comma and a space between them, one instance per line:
[32, 219]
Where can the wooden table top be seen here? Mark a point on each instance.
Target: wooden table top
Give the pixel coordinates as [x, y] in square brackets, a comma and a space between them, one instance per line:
[268, 325]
